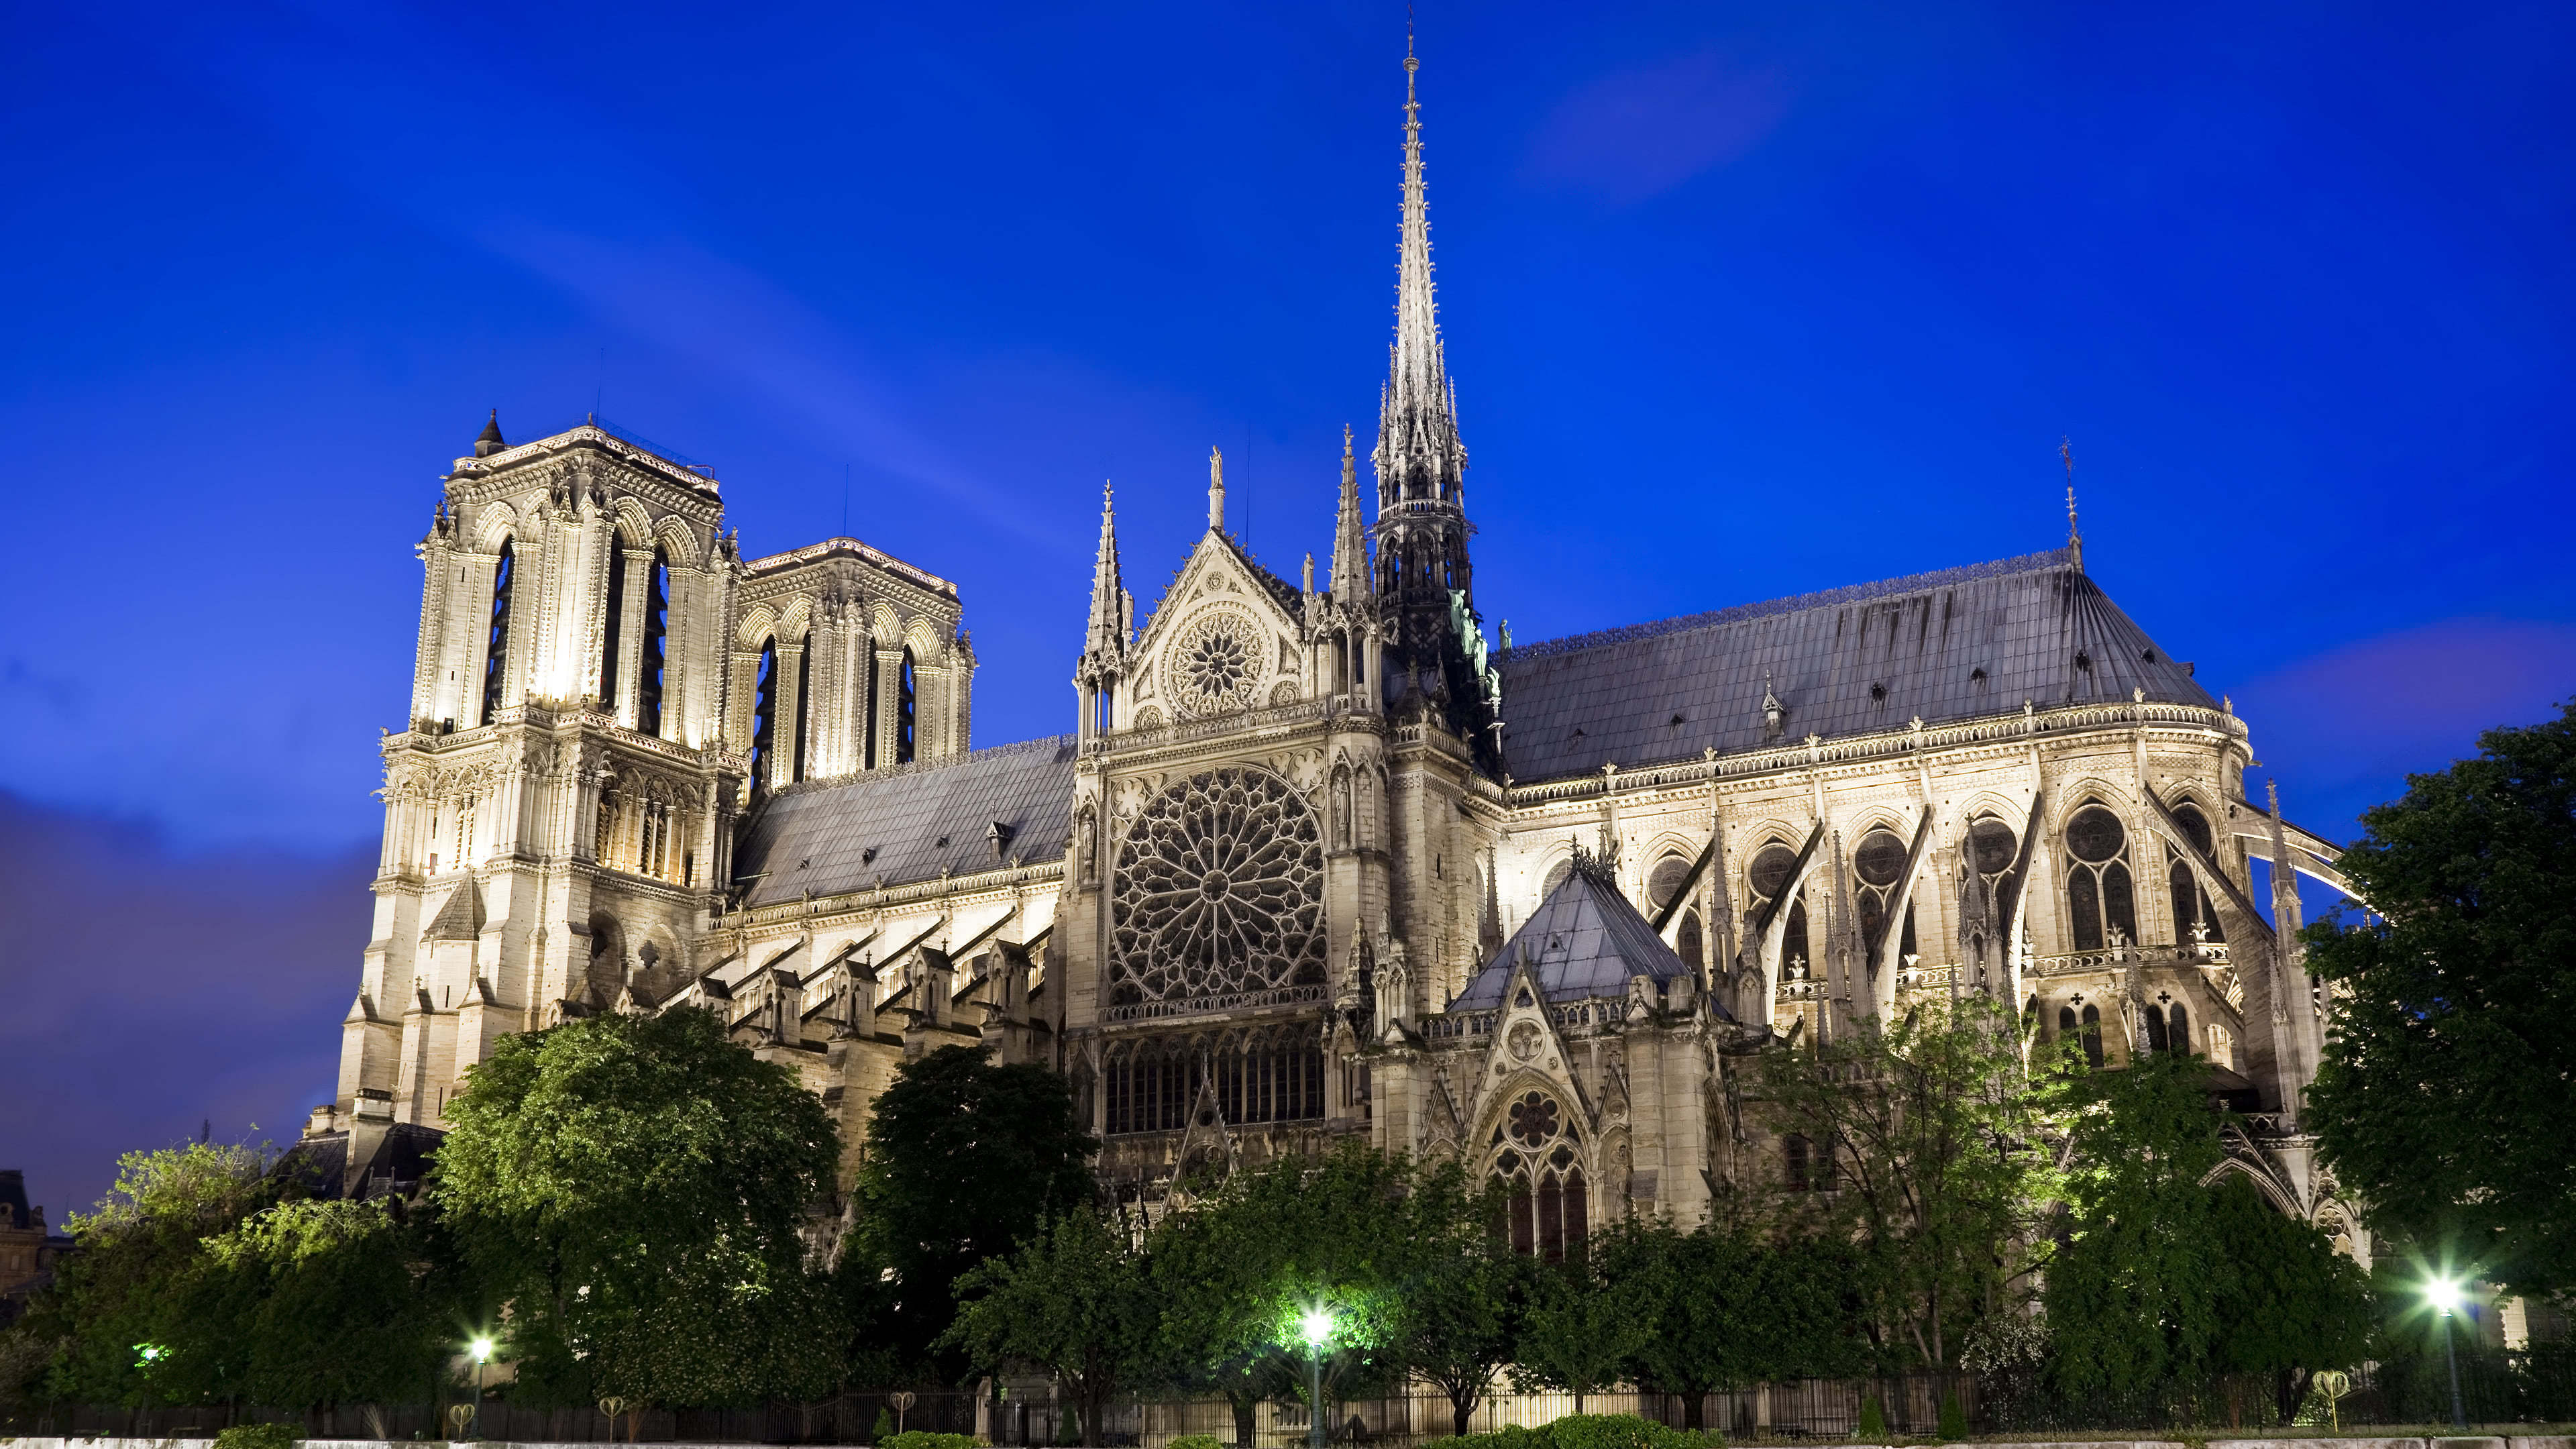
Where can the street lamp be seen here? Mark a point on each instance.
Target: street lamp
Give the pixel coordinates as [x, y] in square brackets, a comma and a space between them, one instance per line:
[2444, 1295]
[482, 1349]
[1318, 1326]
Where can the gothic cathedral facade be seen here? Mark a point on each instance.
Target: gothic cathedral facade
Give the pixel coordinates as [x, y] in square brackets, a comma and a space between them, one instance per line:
[1319, 859]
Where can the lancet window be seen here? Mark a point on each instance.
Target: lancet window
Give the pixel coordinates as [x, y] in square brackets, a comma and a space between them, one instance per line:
[1879, 865]
[906, 703]
[2195, 915]
[609, 636]
[2100, 903]
[496, 652]
[657, 627]
[2168, 1027]
[804, 705]
[764, 717]
[2089, 1024]
[1538, 1163]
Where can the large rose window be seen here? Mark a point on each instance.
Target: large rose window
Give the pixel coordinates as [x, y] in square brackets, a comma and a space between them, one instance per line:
[1219, 894]
[1217, 661]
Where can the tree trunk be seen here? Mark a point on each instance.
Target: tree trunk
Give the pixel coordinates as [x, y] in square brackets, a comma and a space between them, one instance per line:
[1245, 1405]
[1462, 1407]
[1694, 1411]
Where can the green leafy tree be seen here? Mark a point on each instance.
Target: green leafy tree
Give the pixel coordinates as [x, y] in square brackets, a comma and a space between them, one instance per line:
[2450, 1037]
[348, 1302]
[1586, 1322]
[141, 1314]
[1727, 1307]
[1936, 1132]
[632, 1190]
[965, 1160]
[1078, 1300]
[2165, 1279]
[1245, 1263]
[2132, 1298]
[2288, 1303]
[1460, 1287]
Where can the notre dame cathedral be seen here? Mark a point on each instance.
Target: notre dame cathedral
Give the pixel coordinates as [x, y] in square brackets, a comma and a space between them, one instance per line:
[1319, 857]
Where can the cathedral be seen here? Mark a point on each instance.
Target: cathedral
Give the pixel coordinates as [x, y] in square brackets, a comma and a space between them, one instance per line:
[1320, 858]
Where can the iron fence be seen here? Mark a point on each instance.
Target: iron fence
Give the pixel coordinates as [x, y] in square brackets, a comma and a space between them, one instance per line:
[2496, 1388]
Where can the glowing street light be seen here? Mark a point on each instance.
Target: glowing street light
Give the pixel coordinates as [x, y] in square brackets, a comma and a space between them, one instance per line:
[2444, 1295]
[1318, 1328]
[481, 1348]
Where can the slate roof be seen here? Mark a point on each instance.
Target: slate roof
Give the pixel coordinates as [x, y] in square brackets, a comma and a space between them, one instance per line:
[1586, 940]
[1943, 646]
[818, 836]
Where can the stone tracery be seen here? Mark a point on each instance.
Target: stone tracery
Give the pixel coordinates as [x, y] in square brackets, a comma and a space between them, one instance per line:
[1219, 893]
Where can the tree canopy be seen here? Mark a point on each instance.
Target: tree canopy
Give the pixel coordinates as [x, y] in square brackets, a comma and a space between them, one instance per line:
[634, 1189]
[965, 1161]
[1934, 1131]
[2450, 1048]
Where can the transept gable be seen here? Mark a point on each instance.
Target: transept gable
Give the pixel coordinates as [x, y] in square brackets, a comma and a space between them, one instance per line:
[1223, 639]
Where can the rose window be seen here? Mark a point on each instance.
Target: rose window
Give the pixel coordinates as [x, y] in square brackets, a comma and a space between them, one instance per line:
[1220, 893]
[1217, 663]
[1533, 1119]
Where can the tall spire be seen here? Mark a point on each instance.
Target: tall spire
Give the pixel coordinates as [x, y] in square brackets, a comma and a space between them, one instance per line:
[1350, 578]
[1106, 640]
[2074, 535]
[1416, 416]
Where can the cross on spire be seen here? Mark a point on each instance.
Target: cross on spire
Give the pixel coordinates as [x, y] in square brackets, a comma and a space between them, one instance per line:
[2074, 535]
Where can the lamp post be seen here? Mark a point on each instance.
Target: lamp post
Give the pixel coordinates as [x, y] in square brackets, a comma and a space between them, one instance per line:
[482, 1349]
[1318, 1326]
[2445, 1296]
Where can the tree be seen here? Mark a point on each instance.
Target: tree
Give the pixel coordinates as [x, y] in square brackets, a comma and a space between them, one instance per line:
[632, 1190]
[2133, 1296]
[2288, 1303]
[1584, 1324]
[2450, 1038]
[347, 1301]
[1460, 1287]
[140, 1314]
[2165, 1278]
[1725, 1307]
[965, 1160]
[1935, 1130]
[1077, 1300]
[1241, 1266]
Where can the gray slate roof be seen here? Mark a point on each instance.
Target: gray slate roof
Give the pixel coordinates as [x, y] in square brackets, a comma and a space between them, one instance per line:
[1586, 941]
[1943, 646]
[817, 836]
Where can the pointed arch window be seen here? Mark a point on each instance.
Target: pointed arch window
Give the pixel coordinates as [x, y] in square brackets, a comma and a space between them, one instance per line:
[2178, 1021]
[868, 708]
[804, 705]
[2100, 904]
[496, 651]
[657, 626]
[1551, 1204]
[1687, 942]
[2195, 915]
[2093, 1036]
[906, 703]
[1879, 864]
[764, 717]
[609, 636]
[1795, 1170]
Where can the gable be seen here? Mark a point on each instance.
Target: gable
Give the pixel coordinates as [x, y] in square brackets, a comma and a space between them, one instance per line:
[1223, 639]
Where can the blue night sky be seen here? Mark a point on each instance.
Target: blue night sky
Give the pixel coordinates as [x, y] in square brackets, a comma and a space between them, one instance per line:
[1740, 302]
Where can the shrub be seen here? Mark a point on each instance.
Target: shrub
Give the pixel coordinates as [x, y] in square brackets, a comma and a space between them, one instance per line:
[884, 1429]
[1873, 1422]
[924, 1439]
[257, 1436]
[1587, 1431]
[1954, 1418]
[1197, 1441]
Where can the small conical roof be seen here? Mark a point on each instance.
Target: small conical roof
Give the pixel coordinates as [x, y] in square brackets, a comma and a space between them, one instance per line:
[1584, 942]
[489, 441]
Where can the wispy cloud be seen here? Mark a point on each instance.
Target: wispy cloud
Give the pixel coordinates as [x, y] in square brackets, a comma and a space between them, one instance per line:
[2344, 728]
[150, 990]
[1644, 130]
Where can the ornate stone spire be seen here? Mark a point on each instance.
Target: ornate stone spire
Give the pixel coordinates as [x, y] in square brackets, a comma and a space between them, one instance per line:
[1425, 590]
[1106, 641]
[1350, 578]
